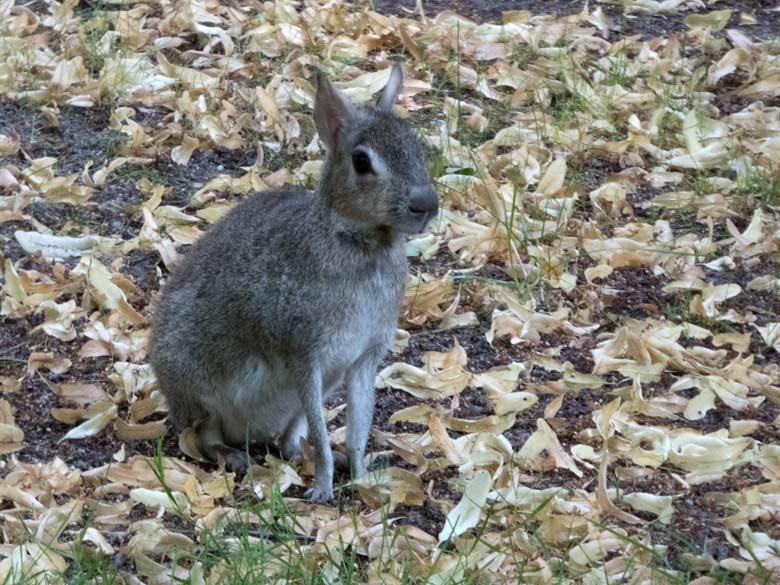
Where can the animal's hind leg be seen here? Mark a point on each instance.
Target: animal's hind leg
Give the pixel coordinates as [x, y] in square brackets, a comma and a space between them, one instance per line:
[212, 443]
[291, 438]
[291, 442]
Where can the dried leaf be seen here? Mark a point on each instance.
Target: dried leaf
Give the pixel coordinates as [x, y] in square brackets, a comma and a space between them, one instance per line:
[466, 514]
[92, 426]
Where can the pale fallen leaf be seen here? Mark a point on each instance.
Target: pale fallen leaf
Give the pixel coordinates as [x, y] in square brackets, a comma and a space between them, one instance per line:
[770, 334]
[47, 361]
[466, 514]
[715, 20]
[106, 293]
[443, 375]
[79, 392]
[660, 506]
[545, 439]
[92, 426]
[59, 247]
[173, 502]
[390, 484]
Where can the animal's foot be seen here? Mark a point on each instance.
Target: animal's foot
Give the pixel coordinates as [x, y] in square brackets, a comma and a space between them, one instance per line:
[322, 494]
[236, 460]
[291, 449]
[340, 461]
[358, 470]
[357, 466]
[291, 439]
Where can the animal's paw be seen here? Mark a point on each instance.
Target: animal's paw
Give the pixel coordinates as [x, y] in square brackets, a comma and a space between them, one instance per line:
[291, 447]
[340, 461]
[357, 465]
[358, 470]
[236, 460]
[320, 494]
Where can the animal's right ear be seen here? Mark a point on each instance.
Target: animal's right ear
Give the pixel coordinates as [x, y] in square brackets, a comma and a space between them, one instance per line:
[333, 112]
[389, 94]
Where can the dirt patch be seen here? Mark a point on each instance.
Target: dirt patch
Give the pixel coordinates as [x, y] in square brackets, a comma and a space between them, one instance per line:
[83, 135]
[80, 135]
[635, 292]
[34, 400]
[185, 180]
[439, 264]
[721, 418]
[426, 517]
[141, 266]
[765, 305]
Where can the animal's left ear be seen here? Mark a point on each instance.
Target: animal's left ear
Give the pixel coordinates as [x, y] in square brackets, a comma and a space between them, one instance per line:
[333, 113]
[390, 93]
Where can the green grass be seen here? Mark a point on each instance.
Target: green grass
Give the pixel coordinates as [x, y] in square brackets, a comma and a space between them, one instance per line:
[759, 185]
[618, 72]
[263, 541]
[91, 38]
[138, 172]
[90, 567]
[566, 104]
[678, 311]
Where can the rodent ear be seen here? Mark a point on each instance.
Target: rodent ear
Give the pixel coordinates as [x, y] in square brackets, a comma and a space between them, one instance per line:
[332, 111]
[390, 93]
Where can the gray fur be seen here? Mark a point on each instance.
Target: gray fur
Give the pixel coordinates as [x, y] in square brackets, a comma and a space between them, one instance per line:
[293, 294]
[390, 93]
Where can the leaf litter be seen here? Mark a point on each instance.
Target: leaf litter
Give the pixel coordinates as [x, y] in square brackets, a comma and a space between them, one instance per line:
[585, 387]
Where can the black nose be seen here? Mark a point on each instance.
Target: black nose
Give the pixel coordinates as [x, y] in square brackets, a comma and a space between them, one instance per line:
[423, 200]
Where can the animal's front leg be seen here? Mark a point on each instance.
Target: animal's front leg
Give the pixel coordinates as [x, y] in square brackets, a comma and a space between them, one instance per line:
[311, 398]
[360, 408]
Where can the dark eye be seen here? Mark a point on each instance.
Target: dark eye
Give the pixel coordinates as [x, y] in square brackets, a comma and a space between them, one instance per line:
[361, 162]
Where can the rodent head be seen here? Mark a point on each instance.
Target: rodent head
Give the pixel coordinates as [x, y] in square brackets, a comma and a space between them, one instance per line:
[375, 171]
